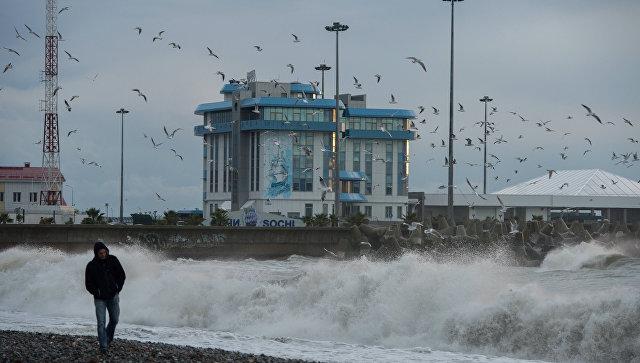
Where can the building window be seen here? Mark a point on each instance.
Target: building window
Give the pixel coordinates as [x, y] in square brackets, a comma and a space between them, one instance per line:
[368, 211]
[33, 197]
[400, 214]
[1, 196]
[211, 210]
[16, 197]
[356, 164]
[216, 162]
[388, 212]
[303, 163]
[402, 169]
[389, 168]
[325, 209]
[368, 166]
[225, 158]
[308, 210]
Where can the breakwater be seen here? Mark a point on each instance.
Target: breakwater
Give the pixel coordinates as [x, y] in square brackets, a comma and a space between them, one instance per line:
[187, 241]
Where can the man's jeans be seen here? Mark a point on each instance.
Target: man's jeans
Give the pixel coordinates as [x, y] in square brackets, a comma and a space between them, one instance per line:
[105, 336]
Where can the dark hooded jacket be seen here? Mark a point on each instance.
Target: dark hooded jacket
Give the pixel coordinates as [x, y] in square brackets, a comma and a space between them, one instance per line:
[103, 278]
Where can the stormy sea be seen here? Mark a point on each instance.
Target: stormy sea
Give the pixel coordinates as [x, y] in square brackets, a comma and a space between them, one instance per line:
[581, 304]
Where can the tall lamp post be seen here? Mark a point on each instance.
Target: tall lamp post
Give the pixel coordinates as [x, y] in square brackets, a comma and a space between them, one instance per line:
[450, 185]
[122, 112]
[322, 68]
[485, 99]
[337, 28]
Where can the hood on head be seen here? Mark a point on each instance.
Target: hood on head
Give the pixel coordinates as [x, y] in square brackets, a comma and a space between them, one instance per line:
[97, 247]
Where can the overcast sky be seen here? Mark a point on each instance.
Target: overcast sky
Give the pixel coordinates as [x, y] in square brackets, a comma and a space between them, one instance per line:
[540, 58]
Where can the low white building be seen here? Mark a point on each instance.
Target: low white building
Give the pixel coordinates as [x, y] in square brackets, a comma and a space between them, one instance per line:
[21, 188]
[579, 194]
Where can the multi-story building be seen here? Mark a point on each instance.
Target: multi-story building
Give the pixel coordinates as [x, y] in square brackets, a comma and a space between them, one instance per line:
[271, 144]
[21, 190]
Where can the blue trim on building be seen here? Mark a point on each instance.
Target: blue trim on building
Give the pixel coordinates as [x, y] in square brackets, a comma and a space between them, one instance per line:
[289, 102]
[349, 175]
[377, 134]
[352, 198]
[230, 87]
[212, 106]
[220, 128]
[290, 126]
[379, 112]
[306, 87]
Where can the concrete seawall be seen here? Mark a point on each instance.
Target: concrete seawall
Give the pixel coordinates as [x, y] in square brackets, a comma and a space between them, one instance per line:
[185, 241]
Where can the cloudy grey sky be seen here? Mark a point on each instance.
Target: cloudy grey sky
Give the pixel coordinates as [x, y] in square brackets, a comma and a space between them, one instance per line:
[540, 58]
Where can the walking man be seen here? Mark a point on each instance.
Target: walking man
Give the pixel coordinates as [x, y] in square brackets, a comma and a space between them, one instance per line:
[104, 278]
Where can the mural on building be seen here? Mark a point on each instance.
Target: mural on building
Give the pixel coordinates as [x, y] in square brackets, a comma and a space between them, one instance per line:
[278, 174]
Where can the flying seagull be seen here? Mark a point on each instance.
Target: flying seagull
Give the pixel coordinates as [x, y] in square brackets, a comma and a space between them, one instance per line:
[460, 107]
[18, 34]
[72, 132]
[12, 51]
[159, 197]
[221, 75]
[140, 94]
[625, 120]
[71, 57]
[393, 99]
[63, 9]
[378, 77]
[474, 190]
[212, 54]
[31, 31]
[138, 29]
[176, 154]
[7, 67]
[171, 134]
[67, 105]
[435, 111]
[418, 61]
[590, 113]
[551, 172]
[295, 38]
[258, 48]
[155, 145]
[290, 66]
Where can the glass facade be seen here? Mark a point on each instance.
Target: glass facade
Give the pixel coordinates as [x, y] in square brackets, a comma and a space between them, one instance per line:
[368, 166]
[355, 144]
[303, 164]
[216, 161]
[218, 117]
[403, 168]
[389, 168]
[298, 114]
[374, 123]
[225, 158]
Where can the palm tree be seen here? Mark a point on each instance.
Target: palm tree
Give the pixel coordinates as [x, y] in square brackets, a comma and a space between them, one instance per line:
[220, 218]
[170, 218]
[357, 219]
[309, 221]
[93, 217]
[321, 220]
[410, 217]
[4, 218]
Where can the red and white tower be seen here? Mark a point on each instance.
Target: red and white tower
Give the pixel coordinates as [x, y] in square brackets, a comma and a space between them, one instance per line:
[52, 195]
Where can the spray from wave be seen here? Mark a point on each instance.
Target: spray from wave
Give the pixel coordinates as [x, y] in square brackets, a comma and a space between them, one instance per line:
[480, 306]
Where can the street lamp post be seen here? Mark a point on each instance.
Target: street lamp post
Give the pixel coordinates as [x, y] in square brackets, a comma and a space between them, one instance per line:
[122, 112]
[337, 28]
[450, 185]
[322, 68]
[485, 99]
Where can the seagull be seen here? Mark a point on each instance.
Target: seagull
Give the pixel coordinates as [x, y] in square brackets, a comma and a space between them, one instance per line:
[585, 152]
[175, 45]
[324, 188]
[12, 51]
[564, 185]
[139, 29]
[170, 135]
[378, 77]
[290, 66]
[176, 154]
[140, 94]
[393, 99]
[258, 48]
[295, 38]
[221, 75]
[434, 130]
[7, 67]
[460, 108]
[551, 172]
[55, 90]
[383, 129]
[71, 57]
[63, 9]
[357, 84]
[159, 197]
[588, 140]
[73, 98]
[67, 105]
[590, 113]
[474, 190]
[72, 132]
[419, 61]
[209, 127]
[625, 120]
[155, 145]
[504, 207]
[31, 31]
[435, 111]
[212, 54]
[420, 109]
[18, 34]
